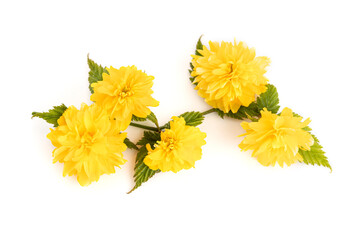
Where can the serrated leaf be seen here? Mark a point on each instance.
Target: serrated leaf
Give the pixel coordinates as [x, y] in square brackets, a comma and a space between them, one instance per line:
[153, 119]
[95, 73]
[149, 137]
[243, 113]
[191, 119]
[199, 46]
[130, 144]
[52, 115]
[142, 172]
[315, 155]
[137, 119]
[269, 99]
[150, 117]
[220, 113]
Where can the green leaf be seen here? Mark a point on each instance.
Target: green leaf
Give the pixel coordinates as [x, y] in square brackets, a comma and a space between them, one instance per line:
[149, 137]
[269, 99]
[95, 73]
[220, 113]
[199, 46]
[243, 113]
[191, 119]
[52, 115]
[150, 117]
[137, 119]
[153, 119]
[130, 144]
[315, 155]
[142, 172]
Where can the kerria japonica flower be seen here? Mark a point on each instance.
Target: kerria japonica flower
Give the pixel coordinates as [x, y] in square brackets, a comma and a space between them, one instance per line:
[87, 143]
[179, 147]
[229, 75]
[124, 92]
[277, 139]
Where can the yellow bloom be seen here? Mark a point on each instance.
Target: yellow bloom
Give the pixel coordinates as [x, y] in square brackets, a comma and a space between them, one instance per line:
[179, 148]
[277, 138]
[229, 75]
[87, 143]
[124, 92]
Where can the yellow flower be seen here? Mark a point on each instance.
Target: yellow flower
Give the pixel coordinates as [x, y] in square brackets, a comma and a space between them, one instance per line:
[124, 92]
[87, 143]
[229, 75]
[277, 138]
[179, 148]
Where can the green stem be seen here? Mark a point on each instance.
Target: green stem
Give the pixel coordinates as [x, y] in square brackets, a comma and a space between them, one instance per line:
[144, 127]
[209, 111]
[162, 127]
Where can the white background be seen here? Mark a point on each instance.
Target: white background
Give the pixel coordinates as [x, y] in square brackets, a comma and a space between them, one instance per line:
[314, 49]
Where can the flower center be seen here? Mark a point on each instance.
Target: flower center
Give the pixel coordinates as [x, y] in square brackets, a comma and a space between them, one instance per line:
[171, 144]
[231, 67]
[232, 70]
[168, 145]
[126, 92]
[87, 140]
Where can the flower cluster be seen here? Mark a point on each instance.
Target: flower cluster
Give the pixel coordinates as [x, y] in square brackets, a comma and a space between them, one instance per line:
[90, 141]
[229, 76]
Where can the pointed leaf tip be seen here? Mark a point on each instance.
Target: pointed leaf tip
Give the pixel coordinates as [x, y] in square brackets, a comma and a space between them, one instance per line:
[52, 115]
[95, 73]
[269, 99]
